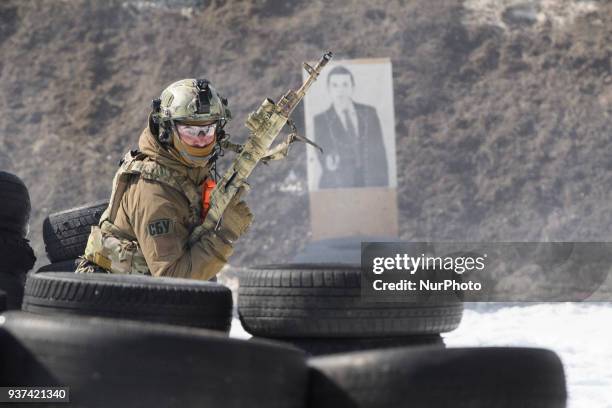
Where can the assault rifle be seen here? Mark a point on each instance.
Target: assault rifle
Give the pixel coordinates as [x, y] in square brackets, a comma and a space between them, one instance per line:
[264, 124]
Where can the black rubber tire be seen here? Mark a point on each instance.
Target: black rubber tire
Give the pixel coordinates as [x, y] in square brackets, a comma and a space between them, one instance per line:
[166, 300]
[433, 378]
[323, 301]
[12, 286]
[65, 233]
[62, 266]
[16, 259]
[107, 362]
[326, 346]
[2, 301]
[16, 254]
[16, 207]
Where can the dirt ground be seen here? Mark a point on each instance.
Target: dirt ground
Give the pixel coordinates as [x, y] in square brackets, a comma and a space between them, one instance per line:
[503, 108]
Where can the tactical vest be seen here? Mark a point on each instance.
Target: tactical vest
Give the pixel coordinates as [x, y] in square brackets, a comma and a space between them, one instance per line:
[113, 249]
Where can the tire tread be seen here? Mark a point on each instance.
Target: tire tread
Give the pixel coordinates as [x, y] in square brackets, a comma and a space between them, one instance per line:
[191, 303]
[65, 233]
[327, 303]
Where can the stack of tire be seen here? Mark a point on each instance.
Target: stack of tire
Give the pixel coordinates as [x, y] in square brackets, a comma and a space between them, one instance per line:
[140, 341]
[137, 341]
[319, 308]
[387, 354]
[16, 255]
[128, 363]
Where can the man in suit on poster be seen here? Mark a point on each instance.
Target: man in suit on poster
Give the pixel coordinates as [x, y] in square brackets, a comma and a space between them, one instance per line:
[351, 136]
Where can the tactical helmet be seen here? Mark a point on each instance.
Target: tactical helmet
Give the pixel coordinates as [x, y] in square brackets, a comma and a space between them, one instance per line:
[194, 102]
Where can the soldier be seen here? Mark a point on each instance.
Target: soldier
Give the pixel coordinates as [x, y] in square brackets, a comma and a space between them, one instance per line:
[159, 193]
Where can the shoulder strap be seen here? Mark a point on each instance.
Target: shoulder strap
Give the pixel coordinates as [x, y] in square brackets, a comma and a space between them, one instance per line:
[136, 163]
[151, 170]
[120, 183]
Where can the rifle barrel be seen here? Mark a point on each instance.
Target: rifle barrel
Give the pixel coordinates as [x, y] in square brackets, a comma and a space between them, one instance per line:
[314, 74]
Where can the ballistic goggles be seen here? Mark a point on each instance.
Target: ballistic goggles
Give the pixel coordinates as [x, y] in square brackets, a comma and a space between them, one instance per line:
[197, 135]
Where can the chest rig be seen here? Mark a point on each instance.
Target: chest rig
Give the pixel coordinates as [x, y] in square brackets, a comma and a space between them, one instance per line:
[118, 251]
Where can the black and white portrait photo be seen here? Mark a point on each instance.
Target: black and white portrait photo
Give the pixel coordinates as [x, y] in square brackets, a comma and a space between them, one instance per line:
[350, 115]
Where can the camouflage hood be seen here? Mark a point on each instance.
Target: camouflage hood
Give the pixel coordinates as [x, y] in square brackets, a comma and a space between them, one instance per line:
[149, 145]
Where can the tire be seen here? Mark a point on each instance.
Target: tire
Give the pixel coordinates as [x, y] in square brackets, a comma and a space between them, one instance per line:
[324, 346]
[107, 362]
[2, 301]
[65, 233]
[16, 207]
[166, 300]
[451, 378]
[318, 301]
[62, 266]
[16, 259]
[12, 286]
[16, 254]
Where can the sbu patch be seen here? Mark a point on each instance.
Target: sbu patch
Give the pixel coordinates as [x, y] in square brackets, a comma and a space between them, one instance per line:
[159, 227]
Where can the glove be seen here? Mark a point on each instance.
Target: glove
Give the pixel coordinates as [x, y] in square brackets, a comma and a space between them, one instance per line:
[236, 219]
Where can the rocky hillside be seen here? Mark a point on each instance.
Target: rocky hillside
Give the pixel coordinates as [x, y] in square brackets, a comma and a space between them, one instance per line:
[503, 107]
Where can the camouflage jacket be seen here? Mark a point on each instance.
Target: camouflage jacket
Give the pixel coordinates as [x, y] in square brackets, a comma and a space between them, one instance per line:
[155, 204]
